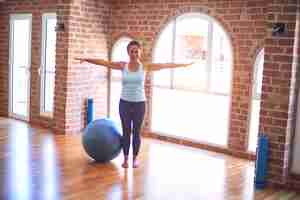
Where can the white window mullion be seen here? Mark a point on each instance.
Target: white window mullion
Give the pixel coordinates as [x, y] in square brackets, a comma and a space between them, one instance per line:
[172, 71]
[209, 66]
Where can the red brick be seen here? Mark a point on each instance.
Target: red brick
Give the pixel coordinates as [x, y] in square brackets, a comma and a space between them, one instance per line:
[90, 30]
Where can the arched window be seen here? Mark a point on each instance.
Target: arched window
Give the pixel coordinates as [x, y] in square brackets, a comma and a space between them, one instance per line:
[119, 53]
[255, 103]
[199, 95]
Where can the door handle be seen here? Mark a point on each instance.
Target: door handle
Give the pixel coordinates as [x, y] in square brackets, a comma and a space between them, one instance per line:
[27, 69]
[45, 71]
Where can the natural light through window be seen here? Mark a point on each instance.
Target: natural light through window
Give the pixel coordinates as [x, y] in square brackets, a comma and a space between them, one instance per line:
[47, 69]
[193, 103]
[20, 65]
[119, 53]
[255, 103]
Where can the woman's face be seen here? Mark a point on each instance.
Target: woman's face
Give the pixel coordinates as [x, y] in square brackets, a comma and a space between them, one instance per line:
[134, 53]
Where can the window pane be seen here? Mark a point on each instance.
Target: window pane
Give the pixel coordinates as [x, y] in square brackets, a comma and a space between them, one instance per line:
[255, 104]
[20, 42]
[254, 125]
[119, 53]
[196, 112]
[49, 91]
[50, 45]
[48, 63]
[191, 45]
[259, 73]
[221, 62]
[163, 53]
[20, 53]
[115, 91]
[191, 115]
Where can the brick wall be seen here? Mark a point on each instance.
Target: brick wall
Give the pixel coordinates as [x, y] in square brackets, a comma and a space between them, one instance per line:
[3, 62]
[244, 21]
[293, 179]
[250, 28]
[91, 25]
[277, 116]
[86, 34]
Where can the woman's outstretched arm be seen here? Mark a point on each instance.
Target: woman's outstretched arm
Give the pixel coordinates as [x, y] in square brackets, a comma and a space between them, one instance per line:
[102, 62]
[159, 66]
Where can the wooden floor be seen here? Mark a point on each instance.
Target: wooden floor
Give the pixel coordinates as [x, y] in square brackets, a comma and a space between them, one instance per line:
[35, 164]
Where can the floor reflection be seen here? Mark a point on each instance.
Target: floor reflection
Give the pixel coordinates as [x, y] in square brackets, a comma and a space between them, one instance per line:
[18, 175]
[50, 174]
[30, 165]
[36, 164]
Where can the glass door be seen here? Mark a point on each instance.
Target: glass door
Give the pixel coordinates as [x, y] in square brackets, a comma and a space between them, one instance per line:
[47, 70]
[20, 63]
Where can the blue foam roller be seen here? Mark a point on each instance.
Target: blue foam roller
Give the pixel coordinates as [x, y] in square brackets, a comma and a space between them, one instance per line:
[90, 110]
[261, 167]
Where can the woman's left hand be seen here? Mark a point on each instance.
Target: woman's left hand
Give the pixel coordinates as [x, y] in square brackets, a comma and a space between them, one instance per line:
[188, 64]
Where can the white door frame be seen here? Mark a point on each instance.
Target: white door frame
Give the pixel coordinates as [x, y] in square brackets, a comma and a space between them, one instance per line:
[11, 40]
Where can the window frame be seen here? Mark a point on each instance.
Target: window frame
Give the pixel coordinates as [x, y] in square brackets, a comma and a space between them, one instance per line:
[42, 70]
[112, 58]
[255, 97]
[259, 56]
[209, 66]
[230, 62]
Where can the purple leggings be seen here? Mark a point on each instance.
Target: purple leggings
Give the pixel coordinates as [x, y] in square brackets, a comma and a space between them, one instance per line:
[132, 117]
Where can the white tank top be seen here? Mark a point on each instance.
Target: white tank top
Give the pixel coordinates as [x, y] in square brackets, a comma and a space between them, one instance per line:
[133, 87]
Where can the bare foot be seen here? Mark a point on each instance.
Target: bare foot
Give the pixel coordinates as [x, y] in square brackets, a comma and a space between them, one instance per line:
[135, 163]
[125, 164]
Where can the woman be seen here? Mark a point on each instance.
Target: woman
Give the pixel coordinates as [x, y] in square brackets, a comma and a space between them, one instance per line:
[132, 102]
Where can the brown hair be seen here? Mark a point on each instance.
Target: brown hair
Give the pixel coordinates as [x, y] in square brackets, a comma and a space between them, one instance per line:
[133, 43]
